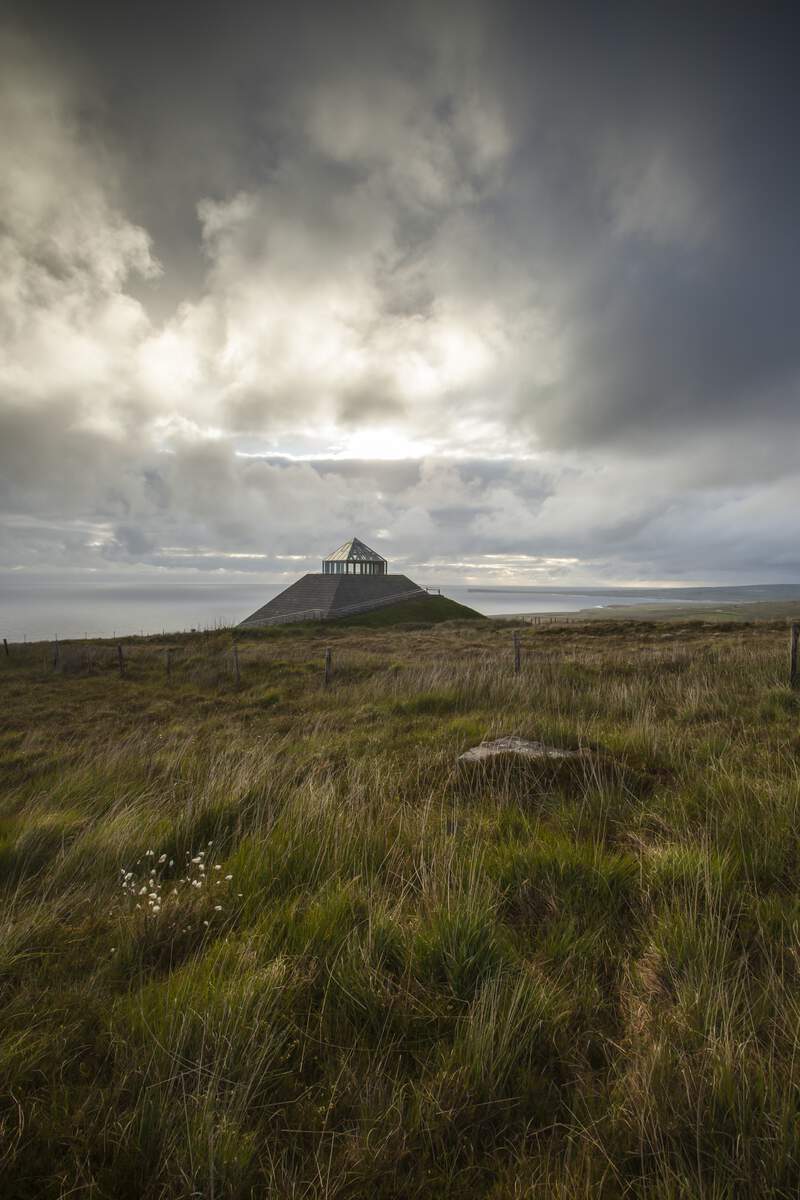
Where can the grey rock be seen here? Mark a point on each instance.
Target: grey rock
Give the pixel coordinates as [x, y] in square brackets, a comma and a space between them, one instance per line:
[520, 747]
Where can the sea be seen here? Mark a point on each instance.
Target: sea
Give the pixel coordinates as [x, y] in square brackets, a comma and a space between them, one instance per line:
[45, 608]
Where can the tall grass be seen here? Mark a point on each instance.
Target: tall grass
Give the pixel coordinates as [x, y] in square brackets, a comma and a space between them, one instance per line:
[417, 981]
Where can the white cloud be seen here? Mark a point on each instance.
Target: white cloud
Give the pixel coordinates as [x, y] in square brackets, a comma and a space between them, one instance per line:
[403, 282]
[70, 330]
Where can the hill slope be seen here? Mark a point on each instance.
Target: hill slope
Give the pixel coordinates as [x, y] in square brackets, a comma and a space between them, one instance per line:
[428, 609]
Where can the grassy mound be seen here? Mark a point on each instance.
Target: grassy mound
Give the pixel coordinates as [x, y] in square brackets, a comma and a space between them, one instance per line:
[257, 937]
[430, 610]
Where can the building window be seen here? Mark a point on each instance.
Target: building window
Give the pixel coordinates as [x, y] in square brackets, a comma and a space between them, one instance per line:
[353, 566]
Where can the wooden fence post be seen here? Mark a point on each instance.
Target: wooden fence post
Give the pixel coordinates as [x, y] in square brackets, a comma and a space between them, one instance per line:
[5, 646]
[327, 665]
[794, 634]
[55, 655]
[516, 652]
[236, 664]
[121, 661]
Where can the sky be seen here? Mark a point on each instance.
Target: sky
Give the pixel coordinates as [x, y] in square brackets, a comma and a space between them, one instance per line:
[508, 291]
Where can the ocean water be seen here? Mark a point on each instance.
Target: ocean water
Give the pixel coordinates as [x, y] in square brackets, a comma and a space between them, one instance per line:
[502, 601]
[44, 608]
[499, 601]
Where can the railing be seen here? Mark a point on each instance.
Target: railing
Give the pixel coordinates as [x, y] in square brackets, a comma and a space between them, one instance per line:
[347, 610]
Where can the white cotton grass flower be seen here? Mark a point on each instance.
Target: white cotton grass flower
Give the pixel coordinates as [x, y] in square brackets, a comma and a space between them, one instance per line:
[151, 882]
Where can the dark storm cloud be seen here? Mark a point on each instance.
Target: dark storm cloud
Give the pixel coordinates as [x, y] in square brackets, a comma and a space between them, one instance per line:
[544, 255]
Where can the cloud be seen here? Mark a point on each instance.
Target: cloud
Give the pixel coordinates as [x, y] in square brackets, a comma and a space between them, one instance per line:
[546, 268]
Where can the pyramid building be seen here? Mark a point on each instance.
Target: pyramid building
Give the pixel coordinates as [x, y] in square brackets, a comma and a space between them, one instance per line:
[353, 579]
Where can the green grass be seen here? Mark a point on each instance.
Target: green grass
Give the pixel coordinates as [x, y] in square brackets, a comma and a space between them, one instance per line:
[428, 610]
[399, 978]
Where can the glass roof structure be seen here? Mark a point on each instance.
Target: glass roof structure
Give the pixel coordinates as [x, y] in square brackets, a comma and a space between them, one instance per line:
[354, 558]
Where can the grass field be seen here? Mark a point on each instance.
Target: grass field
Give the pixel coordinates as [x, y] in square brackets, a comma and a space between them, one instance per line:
[270, 940]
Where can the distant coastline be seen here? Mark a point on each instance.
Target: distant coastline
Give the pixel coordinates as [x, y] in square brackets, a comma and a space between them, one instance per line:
[732, 592]
[41, 609]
